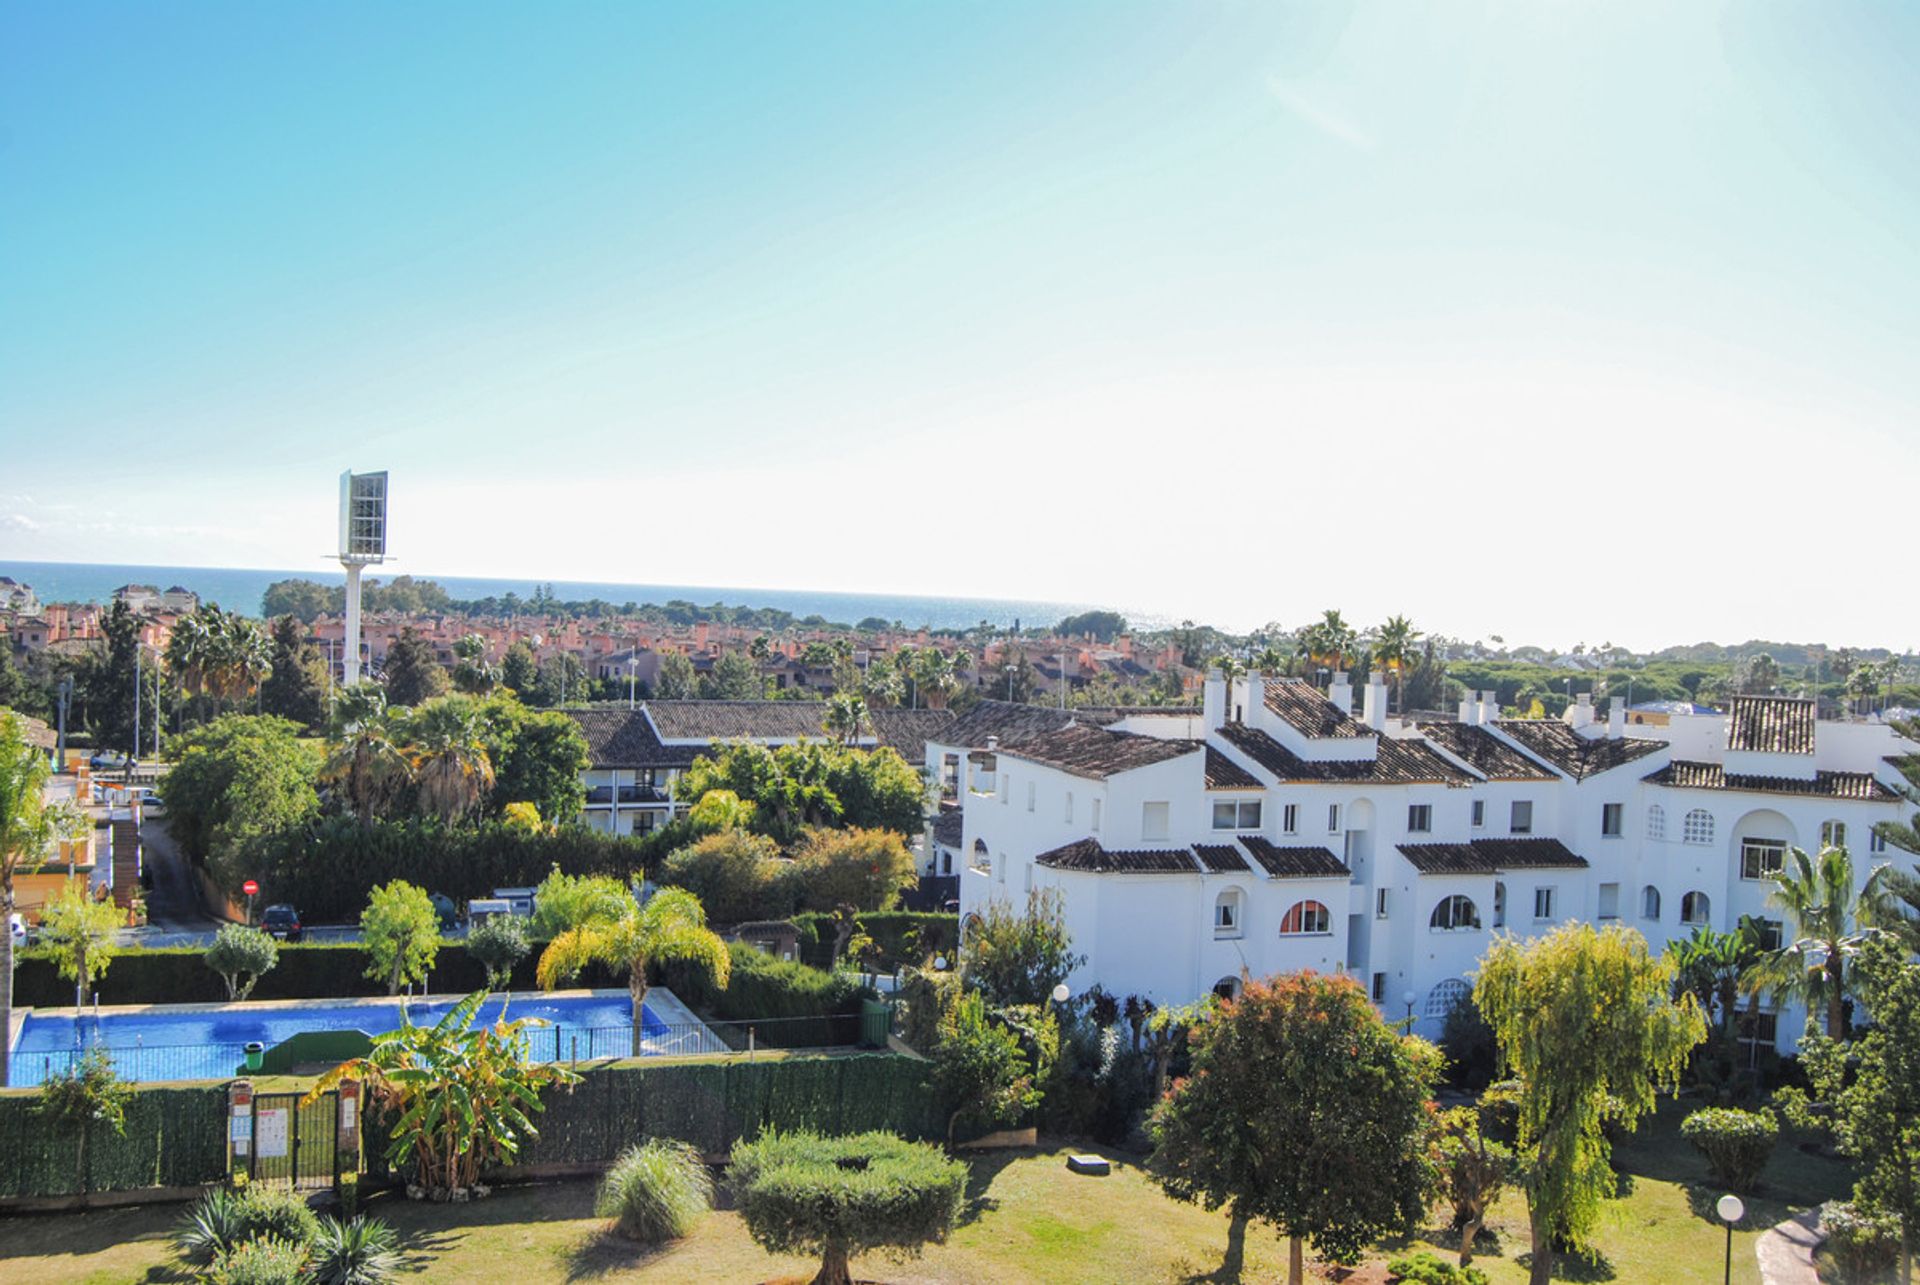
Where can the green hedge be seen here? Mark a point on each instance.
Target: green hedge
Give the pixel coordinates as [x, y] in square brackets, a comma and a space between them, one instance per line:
[889, 930]
[175, 1137]
[712, 1104]
[802, 1007]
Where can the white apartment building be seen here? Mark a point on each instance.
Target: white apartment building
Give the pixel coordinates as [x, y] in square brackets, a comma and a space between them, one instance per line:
[1277, 831]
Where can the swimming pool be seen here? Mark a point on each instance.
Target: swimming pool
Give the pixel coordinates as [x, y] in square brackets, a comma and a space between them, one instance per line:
[207, 1041]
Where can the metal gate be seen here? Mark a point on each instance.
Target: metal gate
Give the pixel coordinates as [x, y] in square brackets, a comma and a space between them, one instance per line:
[295, 1145]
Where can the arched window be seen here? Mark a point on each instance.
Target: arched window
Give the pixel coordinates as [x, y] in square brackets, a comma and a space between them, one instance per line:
[981, 861]
[1227, 988]
[1695, 907]
[1443, 997]
[1455, 914]
[1833, 834]
[1650, 903]
[1305, 918]
[1499, 905]
[1656, 822]
[1227, 908]
[1697, 827]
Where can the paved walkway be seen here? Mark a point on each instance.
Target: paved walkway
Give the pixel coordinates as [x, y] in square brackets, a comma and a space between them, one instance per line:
[1786, 1251]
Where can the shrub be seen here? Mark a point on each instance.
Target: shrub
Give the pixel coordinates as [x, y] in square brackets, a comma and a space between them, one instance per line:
[1737, 1144]
[497, 945]
[1863, 1244]
[901, 938]
[762, 987]
[268, 1261]
[401, 931]
[839, 1197]
[359, 1251]
[1427, 1269]
[737, 876]
[241, 956]
[980, 1070]
[277, 1212]
[656, 1192]
[865, 869]
[211, 1228]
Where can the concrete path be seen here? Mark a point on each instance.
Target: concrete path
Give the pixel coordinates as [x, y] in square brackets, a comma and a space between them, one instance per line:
[1786, 1251]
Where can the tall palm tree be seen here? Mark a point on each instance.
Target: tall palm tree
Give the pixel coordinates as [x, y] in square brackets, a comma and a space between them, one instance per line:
[1269, 661]
[1393, 649]
[449, 758]
[474, 673]
[1328, 640]
[189, 653]
[1828, 918]
[847, 718]
[365, 760]
[672, 925]
[1711, 965]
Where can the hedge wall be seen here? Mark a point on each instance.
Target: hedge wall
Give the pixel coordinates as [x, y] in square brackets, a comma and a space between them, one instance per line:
[819, 1008]
[711, 1104]
[175, 1137]
[889, 930]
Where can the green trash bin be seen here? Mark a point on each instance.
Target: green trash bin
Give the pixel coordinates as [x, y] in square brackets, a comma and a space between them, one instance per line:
[876, 1019]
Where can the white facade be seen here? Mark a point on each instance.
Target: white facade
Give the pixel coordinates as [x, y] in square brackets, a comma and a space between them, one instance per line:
[1531, 823]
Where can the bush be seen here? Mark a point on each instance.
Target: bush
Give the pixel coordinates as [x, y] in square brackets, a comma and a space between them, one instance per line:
[276, 1212]
[1426, 1269]
[211, 1228]
[269, 1261]
[1863, 1245]
[359, 1251]
[901, 938]
[1737, 1144]
[737, 876]
[762, 987]
[656, 1192]
[840, 1197]
[497, 945]
[866, 869]
[1467, 1040]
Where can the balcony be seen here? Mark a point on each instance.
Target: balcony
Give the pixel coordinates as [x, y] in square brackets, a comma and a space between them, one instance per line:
[600, 796]
[650, 794]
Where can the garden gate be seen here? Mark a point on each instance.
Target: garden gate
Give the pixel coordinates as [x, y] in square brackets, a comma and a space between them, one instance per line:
[295, 1145]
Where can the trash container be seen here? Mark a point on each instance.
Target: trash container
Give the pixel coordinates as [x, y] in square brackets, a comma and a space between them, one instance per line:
[876, 1019]
[256, 1052]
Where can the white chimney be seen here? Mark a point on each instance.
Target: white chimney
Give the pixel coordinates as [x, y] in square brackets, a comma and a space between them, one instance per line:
[1489, 706]
[1470, 708]
[1213, 704]
[1256, 694]
[1375, 702]
[1580, 713]
[1340, 692]
[1617, 718]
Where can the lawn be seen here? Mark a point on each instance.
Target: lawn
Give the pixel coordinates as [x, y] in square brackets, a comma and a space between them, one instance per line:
[1029, 1220]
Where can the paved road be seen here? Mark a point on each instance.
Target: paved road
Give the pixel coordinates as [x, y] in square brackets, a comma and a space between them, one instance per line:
[173, 905]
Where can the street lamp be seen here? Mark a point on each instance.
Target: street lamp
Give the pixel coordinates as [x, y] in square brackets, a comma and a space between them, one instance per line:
[1062, 993]
[1731, 1211]
[1408, 999]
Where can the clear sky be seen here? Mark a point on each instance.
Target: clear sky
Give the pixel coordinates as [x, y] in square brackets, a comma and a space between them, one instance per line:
[1567, 321]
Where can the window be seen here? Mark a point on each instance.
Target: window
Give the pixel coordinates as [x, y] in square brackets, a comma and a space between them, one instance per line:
[1290, 819]
[981, 861]
[1833, 834]
[1096, 816]
[1656, 822]
[1650, 903]
[949, 775]
[1612, 820]
[1003, 791]
[1227, 988]
[1542, 903]
[1759, 1033]
[1520, 818]
[1226, 914]
[1033, 793]
[1379, 990]
[1697, 826]
[1876, 842]
[1420, 818]
[1609, 901]
[1762, 858]
[1153, 820]
[1069, 807]
[1229, 815]
[1333, 818]
[1455, 914]
[1499, 905]
[1442, 999]
[1380, 903]
[1305, 918]
[1479, 813]
[1695, 908]
[1769, 933]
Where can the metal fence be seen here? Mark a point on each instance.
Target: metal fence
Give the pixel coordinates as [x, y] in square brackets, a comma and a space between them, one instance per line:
[143, 1063]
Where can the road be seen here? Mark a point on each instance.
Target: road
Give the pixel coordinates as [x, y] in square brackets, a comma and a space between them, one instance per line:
[175, 916]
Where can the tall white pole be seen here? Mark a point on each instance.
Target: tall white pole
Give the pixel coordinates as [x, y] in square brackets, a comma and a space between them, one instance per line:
[350, 662]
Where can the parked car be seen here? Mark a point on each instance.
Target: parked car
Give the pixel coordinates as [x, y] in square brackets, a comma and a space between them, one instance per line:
[107, 759]
[151, 804]
[282, 921]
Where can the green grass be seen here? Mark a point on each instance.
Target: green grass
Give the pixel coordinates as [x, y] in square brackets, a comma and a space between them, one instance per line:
[1028, 1220]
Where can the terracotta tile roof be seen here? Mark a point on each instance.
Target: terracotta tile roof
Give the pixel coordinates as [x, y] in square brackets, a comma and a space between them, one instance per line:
[1295, 862]
[946, 828]
[909, 730]
[1087, 855]
[1005, 720]
[1220, 858]
[738, 720]
[1398, 763]
[1771, 724]
[622, 737]
[1578, 756]
[1300, 703]
[1446, 859]
[1859, 786]
[1485, 753]
[1225, 774]
[1490, 856]
[1097, 753]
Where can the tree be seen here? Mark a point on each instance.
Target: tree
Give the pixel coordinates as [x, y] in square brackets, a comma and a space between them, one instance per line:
[302, 599]
[106, 679]
[29, 826]
[413, 673]
[843, 1197]
[979, 1068]
[1711, 966]
[520, 670]
[81, 931]
[720, 810]
[1472, 1170]
[561, 677]
[1393, 650]
[1304, 1110]
[1019, 958]
[473, 673]
[449, 758]
[88, 1093]
[735, 678]
[1328, 641]
[296, 685]
[867, 869]
[241, 956]
[847, 718]
[736, 875]
[497, 945]
[1585, 1019]
[672, 925]
[674, 679]
[1101, 626]
[366, 762]
[563, 902]
[1826, 917]
[237, 781]
[539, 761]
[400, 931]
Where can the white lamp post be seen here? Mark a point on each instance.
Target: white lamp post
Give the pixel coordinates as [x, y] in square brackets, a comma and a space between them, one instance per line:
[1731, 1211]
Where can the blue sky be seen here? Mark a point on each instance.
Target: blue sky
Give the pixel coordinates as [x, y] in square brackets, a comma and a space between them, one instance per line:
[1565, 321]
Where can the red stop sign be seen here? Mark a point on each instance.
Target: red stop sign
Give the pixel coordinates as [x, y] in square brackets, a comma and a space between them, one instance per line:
[250, 887]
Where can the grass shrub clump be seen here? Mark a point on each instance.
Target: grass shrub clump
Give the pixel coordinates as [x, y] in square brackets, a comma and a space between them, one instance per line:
[267, 1261]
[1862, 1245]
[222, 1221]
[1737, 1144]
[359, 1251]
[1429, 1269]
[656, 1192]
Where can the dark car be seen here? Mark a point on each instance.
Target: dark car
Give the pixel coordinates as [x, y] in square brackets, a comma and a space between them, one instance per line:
[281, 922]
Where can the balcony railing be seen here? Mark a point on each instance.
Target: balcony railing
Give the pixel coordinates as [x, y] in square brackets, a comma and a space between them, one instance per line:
[643, 794]
[600, 795]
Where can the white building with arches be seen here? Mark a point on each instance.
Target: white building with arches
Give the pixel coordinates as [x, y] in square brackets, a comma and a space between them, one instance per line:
[1277, 830]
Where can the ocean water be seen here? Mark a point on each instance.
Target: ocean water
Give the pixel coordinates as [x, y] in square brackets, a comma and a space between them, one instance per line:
[240, 589]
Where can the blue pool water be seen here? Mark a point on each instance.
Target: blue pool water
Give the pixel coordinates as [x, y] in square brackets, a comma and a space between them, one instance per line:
[200, 1042]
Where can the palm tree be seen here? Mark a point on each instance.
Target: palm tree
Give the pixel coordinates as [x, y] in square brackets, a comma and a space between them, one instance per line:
[189, 653]
[474, 673]
[366, 760]
[1393, 648]
[449, 758]
[1902, 917]
[1328, 640]
[847, 718]
[672, 925]
[1270, 661]
[1829, 919]
[1711, 965]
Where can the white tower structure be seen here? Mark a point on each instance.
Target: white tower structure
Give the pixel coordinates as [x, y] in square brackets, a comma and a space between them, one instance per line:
[363, 540]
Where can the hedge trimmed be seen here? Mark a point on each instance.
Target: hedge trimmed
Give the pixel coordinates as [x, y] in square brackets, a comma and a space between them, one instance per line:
[762, 987]
[175, 1137]
[938, 933]
[1737, 1144]
[711, 1105]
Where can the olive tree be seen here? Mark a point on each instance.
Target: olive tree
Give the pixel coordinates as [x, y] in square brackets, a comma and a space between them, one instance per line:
[241, 955]
[497, 945]
[842, 1197]
[401, 932]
